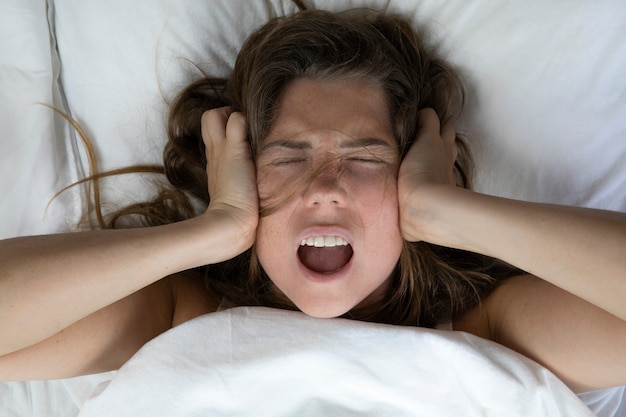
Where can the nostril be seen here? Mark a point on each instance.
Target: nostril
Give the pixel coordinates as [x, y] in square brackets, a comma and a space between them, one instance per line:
[322, 201]
[325, 189]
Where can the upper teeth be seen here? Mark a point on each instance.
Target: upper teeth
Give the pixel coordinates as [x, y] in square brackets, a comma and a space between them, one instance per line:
[324, 241]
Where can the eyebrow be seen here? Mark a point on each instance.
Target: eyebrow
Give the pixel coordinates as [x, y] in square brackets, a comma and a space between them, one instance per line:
[285, 143]
[364, 143]
[345, 144]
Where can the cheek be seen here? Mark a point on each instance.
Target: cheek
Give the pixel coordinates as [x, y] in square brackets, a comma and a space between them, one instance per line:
[266, 235]
[378, 199]
[277, 186]
[266, 184]
[271, 239]
[379, 212]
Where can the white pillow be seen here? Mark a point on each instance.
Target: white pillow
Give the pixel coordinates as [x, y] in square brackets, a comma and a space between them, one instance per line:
[546, 108]
[547, 93]
[546, 104]
[37, 155]
[124, 61]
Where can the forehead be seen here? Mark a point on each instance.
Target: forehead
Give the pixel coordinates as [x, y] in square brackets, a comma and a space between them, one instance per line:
[324, 108]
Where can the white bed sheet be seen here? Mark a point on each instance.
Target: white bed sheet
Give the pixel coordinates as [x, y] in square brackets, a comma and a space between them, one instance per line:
[273, 363]
[546, 105]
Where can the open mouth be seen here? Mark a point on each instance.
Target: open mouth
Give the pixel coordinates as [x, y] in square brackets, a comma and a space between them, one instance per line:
[325, 254]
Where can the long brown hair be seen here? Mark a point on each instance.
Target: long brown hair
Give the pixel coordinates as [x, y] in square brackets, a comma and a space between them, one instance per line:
[431, 283]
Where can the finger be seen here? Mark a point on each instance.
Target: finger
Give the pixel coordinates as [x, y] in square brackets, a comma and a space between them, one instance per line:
[237, 127]
[428, 130]
[448, 133]
[431, 124]
[429, 121]
[213, 124]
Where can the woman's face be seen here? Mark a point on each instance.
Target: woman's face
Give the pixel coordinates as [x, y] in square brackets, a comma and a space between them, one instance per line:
[335, 243]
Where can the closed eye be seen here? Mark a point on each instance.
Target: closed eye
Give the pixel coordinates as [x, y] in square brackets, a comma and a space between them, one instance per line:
[287, 161]
[369, 160]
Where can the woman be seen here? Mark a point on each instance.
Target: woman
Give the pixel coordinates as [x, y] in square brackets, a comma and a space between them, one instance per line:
[336, 186]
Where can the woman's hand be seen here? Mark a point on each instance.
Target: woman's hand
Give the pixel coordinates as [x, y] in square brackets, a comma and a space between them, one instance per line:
[231, 178]
[428, 165]
[52, 282]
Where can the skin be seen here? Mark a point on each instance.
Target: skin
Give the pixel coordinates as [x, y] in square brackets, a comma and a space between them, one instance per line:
[354, 196]
[569, 315]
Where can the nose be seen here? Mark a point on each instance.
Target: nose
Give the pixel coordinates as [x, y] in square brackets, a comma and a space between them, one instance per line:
[326, 187]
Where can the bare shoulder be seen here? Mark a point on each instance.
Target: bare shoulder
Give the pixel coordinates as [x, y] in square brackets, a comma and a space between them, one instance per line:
[100, 342]
[579, 342]
[106, 339]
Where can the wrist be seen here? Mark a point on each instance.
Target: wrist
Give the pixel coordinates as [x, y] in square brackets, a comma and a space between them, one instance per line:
[224, 233]
[431, 214]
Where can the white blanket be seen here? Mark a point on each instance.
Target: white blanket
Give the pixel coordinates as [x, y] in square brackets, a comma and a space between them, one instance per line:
[265, 362]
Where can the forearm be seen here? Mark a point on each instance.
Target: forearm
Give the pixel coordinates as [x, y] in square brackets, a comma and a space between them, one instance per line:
[49, 282]
[580, 250]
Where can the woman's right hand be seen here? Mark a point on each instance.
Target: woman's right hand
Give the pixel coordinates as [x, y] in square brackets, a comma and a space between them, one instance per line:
[231, 179]
[70, 296]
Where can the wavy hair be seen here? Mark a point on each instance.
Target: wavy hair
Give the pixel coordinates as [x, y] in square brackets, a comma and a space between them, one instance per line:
[430, 283]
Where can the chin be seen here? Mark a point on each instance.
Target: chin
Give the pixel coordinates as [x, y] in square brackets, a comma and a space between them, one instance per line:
[324, 312]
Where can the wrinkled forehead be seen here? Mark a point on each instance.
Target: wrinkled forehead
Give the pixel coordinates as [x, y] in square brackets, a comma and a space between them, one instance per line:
[348, 109]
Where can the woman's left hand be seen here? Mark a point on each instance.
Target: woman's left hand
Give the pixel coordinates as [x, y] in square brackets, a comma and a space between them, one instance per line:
[429, 164]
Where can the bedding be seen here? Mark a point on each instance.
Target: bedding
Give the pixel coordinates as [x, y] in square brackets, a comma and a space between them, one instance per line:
[546, 110]
[301, 366]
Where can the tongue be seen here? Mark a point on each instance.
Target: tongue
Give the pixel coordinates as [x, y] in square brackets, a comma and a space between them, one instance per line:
[325, 260]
